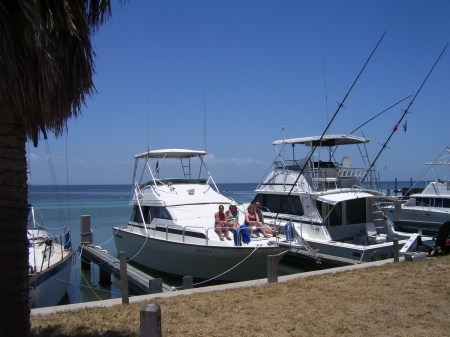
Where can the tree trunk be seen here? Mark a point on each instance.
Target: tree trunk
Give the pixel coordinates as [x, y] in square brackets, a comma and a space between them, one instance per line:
[14, 291]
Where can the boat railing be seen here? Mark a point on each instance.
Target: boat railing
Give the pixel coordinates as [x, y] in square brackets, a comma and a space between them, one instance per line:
[202, 232]
[352, 172]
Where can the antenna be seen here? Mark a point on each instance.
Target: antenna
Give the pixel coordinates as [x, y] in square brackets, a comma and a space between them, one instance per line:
[204, 120]
[326, 90]
[148, 125]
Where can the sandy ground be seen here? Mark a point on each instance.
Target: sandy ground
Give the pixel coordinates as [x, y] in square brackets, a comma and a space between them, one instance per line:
[403, 299]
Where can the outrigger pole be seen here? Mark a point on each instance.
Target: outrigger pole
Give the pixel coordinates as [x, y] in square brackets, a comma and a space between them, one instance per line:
[335, 114]
[403, 115]
[382, 112]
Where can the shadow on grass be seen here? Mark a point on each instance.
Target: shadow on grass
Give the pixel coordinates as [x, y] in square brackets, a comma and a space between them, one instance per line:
[59, 331]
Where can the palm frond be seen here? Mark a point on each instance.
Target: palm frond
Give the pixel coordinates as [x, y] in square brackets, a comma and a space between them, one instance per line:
[47, 61]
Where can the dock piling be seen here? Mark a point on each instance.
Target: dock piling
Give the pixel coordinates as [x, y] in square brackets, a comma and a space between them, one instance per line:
[124, 278]
[150, 320]
[188, 282]
[396, 253]
[86, 233]
[272, 269]
[155, 286]
[86, 238]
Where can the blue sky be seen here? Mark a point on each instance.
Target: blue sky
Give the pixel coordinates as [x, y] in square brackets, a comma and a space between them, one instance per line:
[261, 65]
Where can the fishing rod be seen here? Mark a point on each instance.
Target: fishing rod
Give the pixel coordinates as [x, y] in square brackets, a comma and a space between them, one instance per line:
[403, 115]
[371, 119]
[382, 112]
[335, 114]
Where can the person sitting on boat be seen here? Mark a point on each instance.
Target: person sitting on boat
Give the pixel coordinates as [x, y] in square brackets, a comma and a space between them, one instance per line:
[265, 229]
[252, 220]
[221, 224]
[232, 216]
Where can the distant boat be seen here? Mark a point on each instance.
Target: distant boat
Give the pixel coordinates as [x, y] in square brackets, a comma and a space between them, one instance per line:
[171, 229]
[50, 262]
[426, 211]
[322, 205]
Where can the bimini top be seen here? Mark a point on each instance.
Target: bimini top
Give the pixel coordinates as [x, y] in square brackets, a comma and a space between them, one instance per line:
[327, 140]
[171, 153]
[335, 198]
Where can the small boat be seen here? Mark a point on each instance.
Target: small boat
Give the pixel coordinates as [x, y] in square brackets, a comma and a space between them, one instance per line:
[171, 229]
[323, 205]
[50, 262]
[426, 211]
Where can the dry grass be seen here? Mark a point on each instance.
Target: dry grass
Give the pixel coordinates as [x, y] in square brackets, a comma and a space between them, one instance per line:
[405, 299]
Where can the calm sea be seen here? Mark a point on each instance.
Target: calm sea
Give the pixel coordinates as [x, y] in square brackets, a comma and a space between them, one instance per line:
[108, 206]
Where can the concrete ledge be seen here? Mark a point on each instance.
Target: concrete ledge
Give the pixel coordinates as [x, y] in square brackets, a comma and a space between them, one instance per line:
[141, 298]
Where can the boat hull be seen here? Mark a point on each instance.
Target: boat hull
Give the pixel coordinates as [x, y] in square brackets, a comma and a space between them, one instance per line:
[48, 287]
[356, 252]
[221, 263]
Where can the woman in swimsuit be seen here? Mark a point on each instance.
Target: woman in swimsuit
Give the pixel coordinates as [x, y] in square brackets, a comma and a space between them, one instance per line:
[252, 219]
[232, 216]
[221, 224]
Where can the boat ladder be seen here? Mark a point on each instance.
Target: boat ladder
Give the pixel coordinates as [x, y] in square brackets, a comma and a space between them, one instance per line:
[305, 244]
[379, 218]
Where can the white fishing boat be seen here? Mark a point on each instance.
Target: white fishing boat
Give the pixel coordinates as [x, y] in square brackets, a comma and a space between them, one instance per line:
[171, 228]
[50, 262]
[322, 204]
[428, 210]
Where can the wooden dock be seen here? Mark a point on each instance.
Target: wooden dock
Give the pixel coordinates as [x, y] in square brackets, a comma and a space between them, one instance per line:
[138, 281]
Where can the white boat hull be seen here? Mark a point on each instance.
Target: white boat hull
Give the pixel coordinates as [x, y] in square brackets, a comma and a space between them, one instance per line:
[198, 260]
[48, 287]
[412, 219]
[356, 252]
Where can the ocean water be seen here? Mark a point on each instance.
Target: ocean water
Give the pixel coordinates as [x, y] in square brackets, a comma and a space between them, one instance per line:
[108, 206]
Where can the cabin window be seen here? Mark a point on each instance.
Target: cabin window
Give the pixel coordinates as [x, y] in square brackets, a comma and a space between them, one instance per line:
[137, 216]
[423, 202]
[159, 212]
[446, 203]
[280, 203]
[335, 217]
[438, 202]
[149, 212]
[356, 211]
[331, 214]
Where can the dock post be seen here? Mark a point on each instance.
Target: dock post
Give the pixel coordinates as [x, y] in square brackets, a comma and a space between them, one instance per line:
[188, 282]
[150, 320]
[124, 277]
[396, 253]
[155, 286]
[86, 233]
[272, 269]
[86, 237]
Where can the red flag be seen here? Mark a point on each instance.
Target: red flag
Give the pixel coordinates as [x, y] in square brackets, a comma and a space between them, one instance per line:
[395, 127]
[405, 126]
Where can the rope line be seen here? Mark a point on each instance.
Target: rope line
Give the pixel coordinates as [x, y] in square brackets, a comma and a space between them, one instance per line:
[230, 269]
[85, 286]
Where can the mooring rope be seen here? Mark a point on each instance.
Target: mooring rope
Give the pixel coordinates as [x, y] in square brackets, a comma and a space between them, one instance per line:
[228, 270]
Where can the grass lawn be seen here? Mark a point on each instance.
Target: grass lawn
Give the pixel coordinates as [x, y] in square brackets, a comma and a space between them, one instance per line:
[403, 299]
